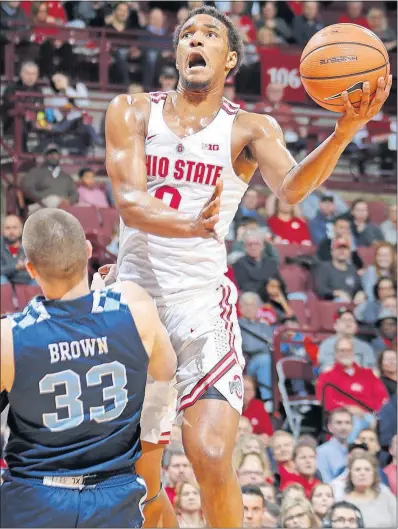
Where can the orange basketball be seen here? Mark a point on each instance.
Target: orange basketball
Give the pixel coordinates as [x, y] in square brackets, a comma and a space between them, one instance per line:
[342, 57]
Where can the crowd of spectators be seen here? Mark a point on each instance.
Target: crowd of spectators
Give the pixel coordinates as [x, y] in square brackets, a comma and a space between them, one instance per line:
[280, 258]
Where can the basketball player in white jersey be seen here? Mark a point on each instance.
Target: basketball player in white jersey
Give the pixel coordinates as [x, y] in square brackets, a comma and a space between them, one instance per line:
[167, 155]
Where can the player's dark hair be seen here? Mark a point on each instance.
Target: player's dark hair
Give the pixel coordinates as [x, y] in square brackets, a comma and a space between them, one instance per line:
[235, 42]
[253, 490]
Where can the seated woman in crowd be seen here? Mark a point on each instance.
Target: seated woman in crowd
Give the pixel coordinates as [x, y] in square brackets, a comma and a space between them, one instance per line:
[378, 506]
[188, 505]
[255, 411]
[322, 498]
[384, 290]
[276, 306]
[385, 265]
[252, 468]
[365, 232]
[298, 513]
[387, 364]
[288, 228]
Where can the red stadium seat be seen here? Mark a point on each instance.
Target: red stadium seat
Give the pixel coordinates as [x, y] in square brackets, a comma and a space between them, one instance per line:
[25, 293]
[296, 278]
[292, 250]
[109, 218]
[300, 310]
[88, 217]
[377, 211]
[367, 254]
[322, 313]
[8, 302]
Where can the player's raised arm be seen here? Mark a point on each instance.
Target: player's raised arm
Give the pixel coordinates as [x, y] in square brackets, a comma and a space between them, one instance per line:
[7, 356]
[162, 357]
[292, 182]
[125, 131]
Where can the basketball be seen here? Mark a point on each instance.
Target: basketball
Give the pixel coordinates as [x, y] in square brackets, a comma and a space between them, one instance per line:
[342, 57]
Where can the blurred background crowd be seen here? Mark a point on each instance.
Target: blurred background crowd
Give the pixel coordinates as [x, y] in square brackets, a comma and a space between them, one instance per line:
[317, 284]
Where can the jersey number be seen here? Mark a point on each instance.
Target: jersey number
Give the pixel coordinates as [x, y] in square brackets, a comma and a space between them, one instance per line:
[73, 390]
[169, 195]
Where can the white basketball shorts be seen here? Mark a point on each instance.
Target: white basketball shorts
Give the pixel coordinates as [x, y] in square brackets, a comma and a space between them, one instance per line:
[205, 334]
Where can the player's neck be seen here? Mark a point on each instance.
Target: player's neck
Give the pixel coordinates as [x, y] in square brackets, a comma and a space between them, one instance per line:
[197, 103]
[67, 292]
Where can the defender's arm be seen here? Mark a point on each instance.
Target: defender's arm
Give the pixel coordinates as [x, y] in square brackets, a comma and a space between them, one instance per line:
[6, 356]
[125, 131]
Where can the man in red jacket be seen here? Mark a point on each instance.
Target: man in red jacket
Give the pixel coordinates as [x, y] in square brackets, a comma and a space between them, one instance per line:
[360, 382]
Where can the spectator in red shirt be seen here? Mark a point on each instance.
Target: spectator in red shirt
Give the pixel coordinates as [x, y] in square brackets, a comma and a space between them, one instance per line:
[254, 410]
[354, 15]
[287, 228]
[243, 22]
[360, 382]
[304, 459]
[178, 469]
[282, 447]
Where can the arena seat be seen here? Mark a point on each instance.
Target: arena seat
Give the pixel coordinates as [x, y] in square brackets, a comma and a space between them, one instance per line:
[296, 278]
[377, 211]
[8, 302]
[367, 254]
[109, 218]
[300, 310]
[25, 293]
[88, 217]
[295, 368]
[322, 313]
[292, 250]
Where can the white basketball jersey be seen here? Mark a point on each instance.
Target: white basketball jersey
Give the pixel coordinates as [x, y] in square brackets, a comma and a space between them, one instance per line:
[183, 173]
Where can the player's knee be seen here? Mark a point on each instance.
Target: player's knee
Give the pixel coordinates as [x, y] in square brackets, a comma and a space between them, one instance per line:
[209, 457]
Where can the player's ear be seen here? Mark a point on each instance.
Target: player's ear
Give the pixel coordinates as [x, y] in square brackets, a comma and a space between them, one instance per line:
[31, 271]
[89, 249]
[232, 60]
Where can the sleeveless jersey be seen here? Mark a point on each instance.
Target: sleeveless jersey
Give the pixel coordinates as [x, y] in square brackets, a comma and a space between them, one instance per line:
[80, 375]
[183, 173]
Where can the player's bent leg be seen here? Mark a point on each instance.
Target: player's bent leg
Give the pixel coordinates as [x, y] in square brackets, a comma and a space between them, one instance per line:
[157, 507]
[209, 431]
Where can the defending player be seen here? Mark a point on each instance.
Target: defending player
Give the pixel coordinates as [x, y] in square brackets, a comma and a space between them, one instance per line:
[166, 155]
[74, 365]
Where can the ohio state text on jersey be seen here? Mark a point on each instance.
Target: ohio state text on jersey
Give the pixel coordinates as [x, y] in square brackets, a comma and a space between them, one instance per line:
[183, 173]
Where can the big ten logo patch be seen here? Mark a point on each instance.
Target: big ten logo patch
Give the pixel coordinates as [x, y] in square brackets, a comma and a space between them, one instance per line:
[236, 386]
[210, 147]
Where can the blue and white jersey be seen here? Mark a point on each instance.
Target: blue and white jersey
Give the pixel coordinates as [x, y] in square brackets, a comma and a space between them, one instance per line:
[80, 375]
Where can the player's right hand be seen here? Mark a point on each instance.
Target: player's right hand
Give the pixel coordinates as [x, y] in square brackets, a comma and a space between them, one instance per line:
[205, 224]
[108, 273]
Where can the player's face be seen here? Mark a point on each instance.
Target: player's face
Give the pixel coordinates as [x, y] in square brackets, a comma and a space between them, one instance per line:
[203, 56]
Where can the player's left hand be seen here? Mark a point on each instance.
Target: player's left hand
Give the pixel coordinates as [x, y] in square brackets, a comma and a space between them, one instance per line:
[354, 119]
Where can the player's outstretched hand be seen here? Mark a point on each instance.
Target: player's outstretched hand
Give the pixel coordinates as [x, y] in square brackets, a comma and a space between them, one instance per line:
[108, 273]
[355, 118]
[209, 216]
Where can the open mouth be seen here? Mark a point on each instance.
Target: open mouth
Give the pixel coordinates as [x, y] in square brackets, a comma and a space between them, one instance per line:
[196, 60]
